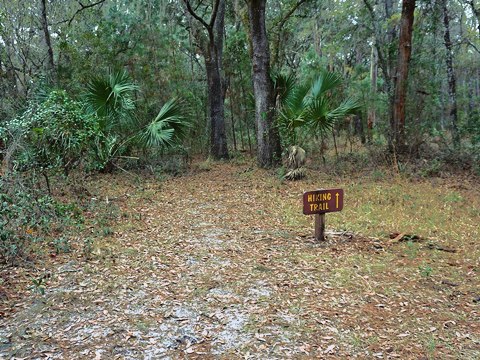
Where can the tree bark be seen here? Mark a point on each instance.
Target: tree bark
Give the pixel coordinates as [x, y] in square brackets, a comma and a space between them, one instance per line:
[401, 76]
[452, 80]
[212, 50]
[476, 12]
[383, 42]
[373, 91]
[278, 32]
[268, 140]
[46, 32]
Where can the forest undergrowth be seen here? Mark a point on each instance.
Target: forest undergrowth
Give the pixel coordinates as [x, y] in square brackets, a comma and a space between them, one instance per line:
[221, 263]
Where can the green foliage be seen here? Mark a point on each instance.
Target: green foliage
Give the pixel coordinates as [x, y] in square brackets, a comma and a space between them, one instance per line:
[38, 286]
[168, 128]
[310, 105]
[27, 217]
[110, 99]
[425, 270]
[62, 245]
[432, 169]
[54, 133]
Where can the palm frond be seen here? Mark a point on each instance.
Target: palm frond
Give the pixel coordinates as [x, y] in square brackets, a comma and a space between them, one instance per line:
[174, 112]
[157, 134]
[168, 127]
[297, 99]
[347, 107]
[110, 96]
[121, 89]
[326, 81]
[310, 104]
[283, 85]
[317, 113]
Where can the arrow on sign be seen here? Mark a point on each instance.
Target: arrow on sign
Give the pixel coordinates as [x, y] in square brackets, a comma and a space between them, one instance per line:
[337, 195]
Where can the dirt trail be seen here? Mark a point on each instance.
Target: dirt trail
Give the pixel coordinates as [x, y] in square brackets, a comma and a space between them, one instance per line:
[204, 268]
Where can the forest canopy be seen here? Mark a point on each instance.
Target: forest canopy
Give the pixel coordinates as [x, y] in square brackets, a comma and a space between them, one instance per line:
[223, 61]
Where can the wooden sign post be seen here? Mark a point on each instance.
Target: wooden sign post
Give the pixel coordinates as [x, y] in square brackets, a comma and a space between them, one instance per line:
[318, 203]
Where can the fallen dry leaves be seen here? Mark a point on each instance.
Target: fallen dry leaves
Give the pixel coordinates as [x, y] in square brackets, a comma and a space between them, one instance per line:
[222, 264]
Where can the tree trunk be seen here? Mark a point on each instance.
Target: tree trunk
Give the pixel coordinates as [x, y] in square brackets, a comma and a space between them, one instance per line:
[401, 76]
[46, 32]
[245, 111]
[358, 126]
[476, 12]
[218, 138]
[452, 81]
[268, 141]
[216, 87]
[373, 91]
[212, 49]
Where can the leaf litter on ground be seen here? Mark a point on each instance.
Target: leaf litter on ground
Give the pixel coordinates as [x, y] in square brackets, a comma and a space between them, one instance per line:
[222, 264]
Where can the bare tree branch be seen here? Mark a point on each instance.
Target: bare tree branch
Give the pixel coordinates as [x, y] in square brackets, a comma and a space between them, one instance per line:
[214, 12]
[469, 43]
[283, 20]
[278, 27]
[82, 7]
[476, 11]
[198, 18]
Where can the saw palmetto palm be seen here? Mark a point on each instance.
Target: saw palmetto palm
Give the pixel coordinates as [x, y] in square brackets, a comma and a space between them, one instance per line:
[310, 105]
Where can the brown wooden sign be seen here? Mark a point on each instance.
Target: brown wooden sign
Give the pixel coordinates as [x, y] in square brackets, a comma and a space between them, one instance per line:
[322, 201]
[319, 202]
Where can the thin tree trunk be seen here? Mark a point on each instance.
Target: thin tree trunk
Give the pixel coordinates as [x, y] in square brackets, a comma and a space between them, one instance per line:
[217, 88]
[212, 49]
[452, 81]
[232, 120]
[218, 138]
[358, 126]
[383, 43]
[373, 90]
[268, 140]
[245, 99]
[46, 32]
[476, 12]
[335, 143]
[401, 78]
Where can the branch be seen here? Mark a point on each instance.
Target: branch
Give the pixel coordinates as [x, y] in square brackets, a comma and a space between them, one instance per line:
[370, 9]
[198, 18]
[82, 7]
[469, 43]
[289, 13]
[277, 30]
[214, 12]
[474, 9]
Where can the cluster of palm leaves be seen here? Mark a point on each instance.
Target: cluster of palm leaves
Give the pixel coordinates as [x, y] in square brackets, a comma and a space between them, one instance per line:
[310, 107]
[111, 99]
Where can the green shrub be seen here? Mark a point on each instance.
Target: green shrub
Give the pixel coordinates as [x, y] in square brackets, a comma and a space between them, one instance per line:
[55, 134]
[28, 217]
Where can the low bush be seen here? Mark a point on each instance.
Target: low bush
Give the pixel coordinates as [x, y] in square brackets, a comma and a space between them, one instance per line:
[29, 219]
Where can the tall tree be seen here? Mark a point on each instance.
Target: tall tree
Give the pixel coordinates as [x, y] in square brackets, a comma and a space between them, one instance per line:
[476, 11]
[278, 30]
[401, 75]
[46, 32]
[268, 140]
[211, 47]
[452, 80]
[373, 90]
